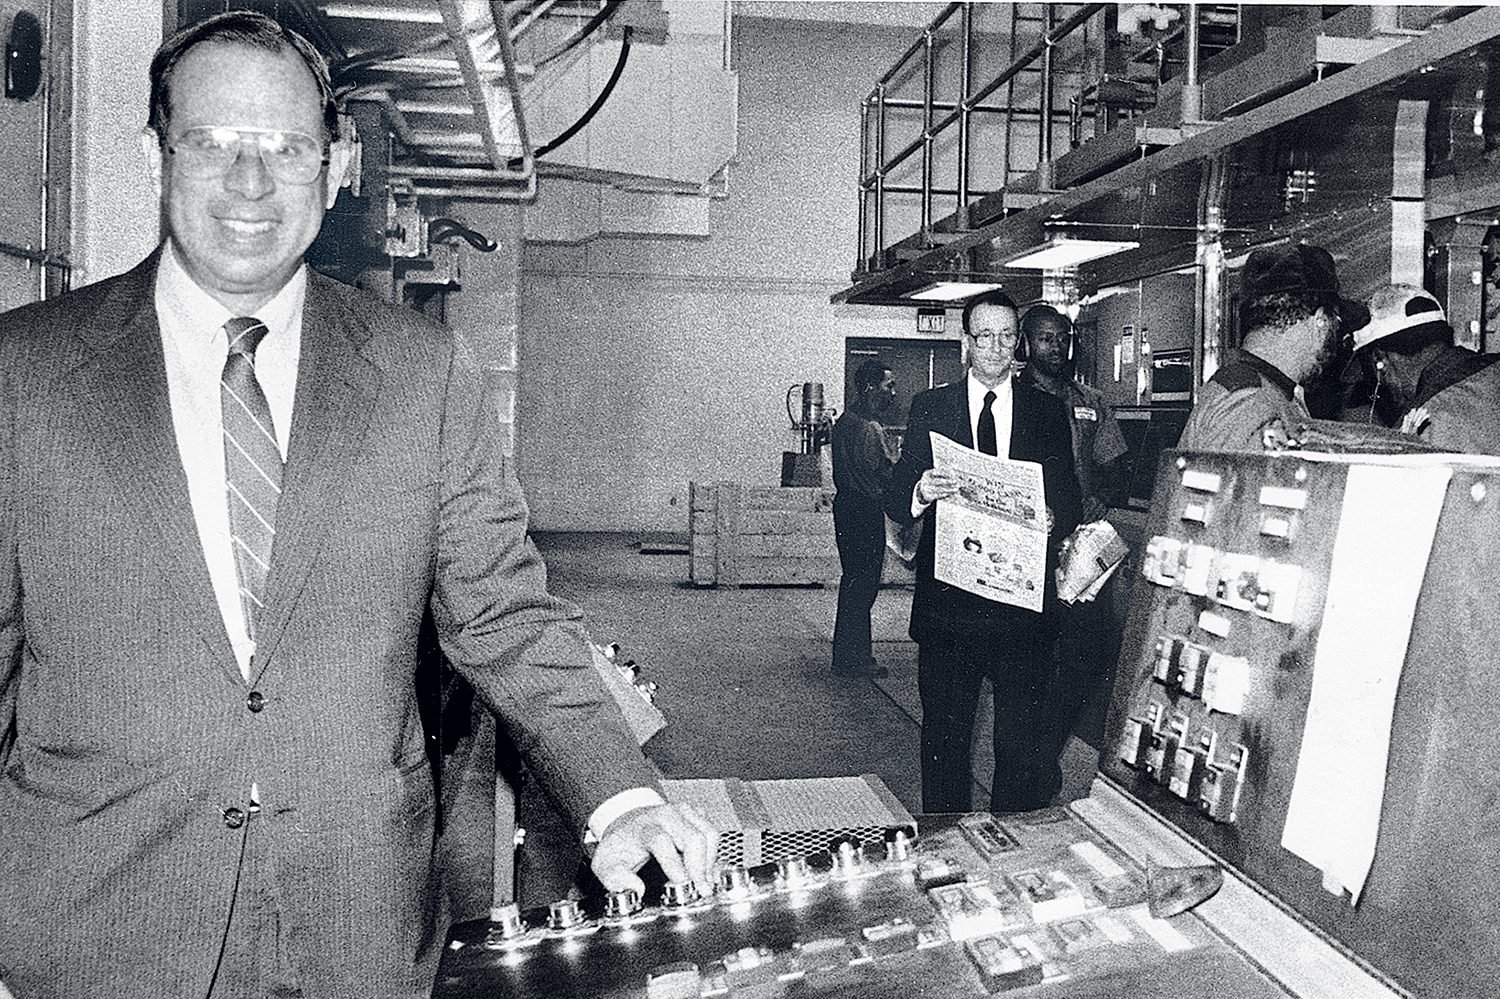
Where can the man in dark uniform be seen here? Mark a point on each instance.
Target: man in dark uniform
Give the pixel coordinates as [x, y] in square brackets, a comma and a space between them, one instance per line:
[861, 469]
[1290, 309]
[1089, 638]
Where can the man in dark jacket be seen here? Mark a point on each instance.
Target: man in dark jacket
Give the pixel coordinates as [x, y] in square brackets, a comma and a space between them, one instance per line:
[962, 637]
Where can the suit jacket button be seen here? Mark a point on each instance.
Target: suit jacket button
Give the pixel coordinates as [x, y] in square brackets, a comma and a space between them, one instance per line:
[255, 702]
[234, 818]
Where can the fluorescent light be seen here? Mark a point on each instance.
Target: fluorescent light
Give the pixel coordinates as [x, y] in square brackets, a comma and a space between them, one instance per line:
[951, 291]
[411, 15]
[1057, 254]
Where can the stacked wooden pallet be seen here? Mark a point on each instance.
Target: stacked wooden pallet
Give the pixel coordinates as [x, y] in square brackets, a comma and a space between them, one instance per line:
[767, 535]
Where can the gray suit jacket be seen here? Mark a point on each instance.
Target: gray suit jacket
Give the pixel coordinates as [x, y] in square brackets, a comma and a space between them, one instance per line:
[125, 728]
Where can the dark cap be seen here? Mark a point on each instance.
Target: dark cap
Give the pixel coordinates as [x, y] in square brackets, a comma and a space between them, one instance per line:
[1272, 270]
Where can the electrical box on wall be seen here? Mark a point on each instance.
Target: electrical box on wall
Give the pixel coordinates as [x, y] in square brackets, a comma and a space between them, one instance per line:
[1252, 602]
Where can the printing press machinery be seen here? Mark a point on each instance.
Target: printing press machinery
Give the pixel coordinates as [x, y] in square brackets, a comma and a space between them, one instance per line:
[1299, 621]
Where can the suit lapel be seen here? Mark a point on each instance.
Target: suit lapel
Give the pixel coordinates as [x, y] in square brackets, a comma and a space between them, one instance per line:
[1022, 423]
[962, 420]
[121, 390]
[336, 391]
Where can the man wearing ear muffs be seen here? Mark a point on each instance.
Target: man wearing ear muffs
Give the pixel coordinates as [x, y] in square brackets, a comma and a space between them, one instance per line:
[1046, 347]
[1089, 637]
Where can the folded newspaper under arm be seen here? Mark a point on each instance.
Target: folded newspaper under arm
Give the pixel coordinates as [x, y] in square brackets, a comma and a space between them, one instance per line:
[1089, 557]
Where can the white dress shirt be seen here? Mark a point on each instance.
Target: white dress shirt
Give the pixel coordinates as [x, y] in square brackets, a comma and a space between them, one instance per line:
[195, 347]
[1003, 411]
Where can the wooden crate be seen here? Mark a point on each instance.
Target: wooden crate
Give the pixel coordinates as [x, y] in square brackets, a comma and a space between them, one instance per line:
[765, 535]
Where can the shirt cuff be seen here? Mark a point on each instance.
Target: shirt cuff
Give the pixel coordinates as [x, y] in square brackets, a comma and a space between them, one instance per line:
[917, 507]
[617, 805]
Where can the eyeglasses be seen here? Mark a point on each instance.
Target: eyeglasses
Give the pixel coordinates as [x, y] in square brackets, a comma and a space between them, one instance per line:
[1004, 338]
[210, 150]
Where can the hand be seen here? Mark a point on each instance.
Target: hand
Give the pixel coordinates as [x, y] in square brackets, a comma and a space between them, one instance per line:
[935, 485]
[5, 992]
[682, 841]
[1414, 421]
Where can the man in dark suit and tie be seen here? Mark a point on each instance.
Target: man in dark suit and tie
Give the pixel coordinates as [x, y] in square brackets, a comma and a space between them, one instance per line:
[229, 491]
[963, 638]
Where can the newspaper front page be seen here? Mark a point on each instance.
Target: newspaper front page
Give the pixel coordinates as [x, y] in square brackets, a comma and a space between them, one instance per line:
[991, 535]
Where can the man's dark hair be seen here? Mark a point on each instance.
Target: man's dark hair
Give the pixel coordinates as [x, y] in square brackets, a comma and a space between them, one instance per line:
[1040, 315]
[236, 27]
[1284, 308]
[994, 296]
[870, 373]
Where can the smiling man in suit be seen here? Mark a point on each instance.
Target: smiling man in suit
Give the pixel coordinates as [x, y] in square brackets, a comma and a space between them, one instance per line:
[229, 490]
[963, 638]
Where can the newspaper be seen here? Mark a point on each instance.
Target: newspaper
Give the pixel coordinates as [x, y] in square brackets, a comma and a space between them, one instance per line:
[1090, 556]
[991, 536]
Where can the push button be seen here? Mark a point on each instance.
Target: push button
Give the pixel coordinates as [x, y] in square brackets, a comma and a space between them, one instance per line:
[255, 702]
[234, 818]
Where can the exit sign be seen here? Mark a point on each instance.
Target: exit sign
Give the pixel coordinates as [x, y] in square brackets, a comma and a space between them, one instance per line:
[931, 320]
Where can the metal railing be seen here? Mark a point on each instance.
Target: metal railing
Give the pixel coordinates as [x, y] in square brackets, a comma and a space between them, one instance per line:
[876, 165]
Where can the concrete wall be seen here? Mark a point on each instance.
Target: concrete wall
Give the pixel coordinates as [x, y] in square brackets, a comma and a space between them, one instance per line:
[114, 209]
[645, 364]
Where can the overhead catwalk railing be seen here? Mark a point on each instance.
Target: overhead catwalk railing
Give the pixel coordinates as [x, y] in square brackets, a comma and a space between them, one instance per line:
[450, 87]
[956, 118]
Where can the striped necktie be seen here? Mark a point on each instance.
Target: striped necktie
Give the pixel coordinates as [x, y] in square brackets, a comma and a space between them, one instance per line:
[252, 465]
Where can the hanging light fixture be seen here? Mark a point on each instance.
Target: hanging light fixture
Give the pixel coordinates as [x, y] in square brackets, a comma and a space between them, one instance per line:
[1061, 252]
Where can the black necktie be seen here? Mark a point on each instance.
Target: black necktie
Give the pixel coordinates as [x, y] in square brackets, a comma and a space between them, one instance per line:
[252, 465]
[986, 432]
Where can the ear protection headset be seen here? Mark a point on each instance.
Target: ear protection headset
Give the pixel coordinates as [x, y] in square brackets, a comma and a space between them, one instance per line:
[1023, 345]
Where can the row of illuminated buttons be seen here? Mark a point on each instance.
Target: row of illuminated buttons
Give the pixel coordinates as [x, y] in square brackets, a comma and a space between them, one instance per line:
[734, 884]
[1243, 581]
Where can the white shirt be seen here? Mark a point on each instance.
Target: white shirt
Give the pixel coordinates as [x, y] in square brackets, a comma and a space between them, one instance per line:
[1003, 411]
[195, 347]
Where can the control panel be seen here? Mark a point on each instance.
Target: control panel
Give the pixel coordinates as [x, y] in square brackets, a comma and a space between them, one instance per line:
[1035, 904]
[1259, 574]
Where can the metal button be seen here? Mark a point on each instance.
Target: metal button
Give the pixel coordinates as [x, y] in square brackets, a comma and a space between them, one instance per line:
[734, 880]
[679, 893]
[618, 904]
[234, 818]
[255, 702]
[564, 914]
[508, 918]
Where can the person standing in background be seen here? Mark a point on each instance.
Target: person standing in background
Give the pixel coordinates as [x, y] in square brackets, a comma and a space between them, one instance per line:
[1089, 636]
[861, 469]
[963, 638]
